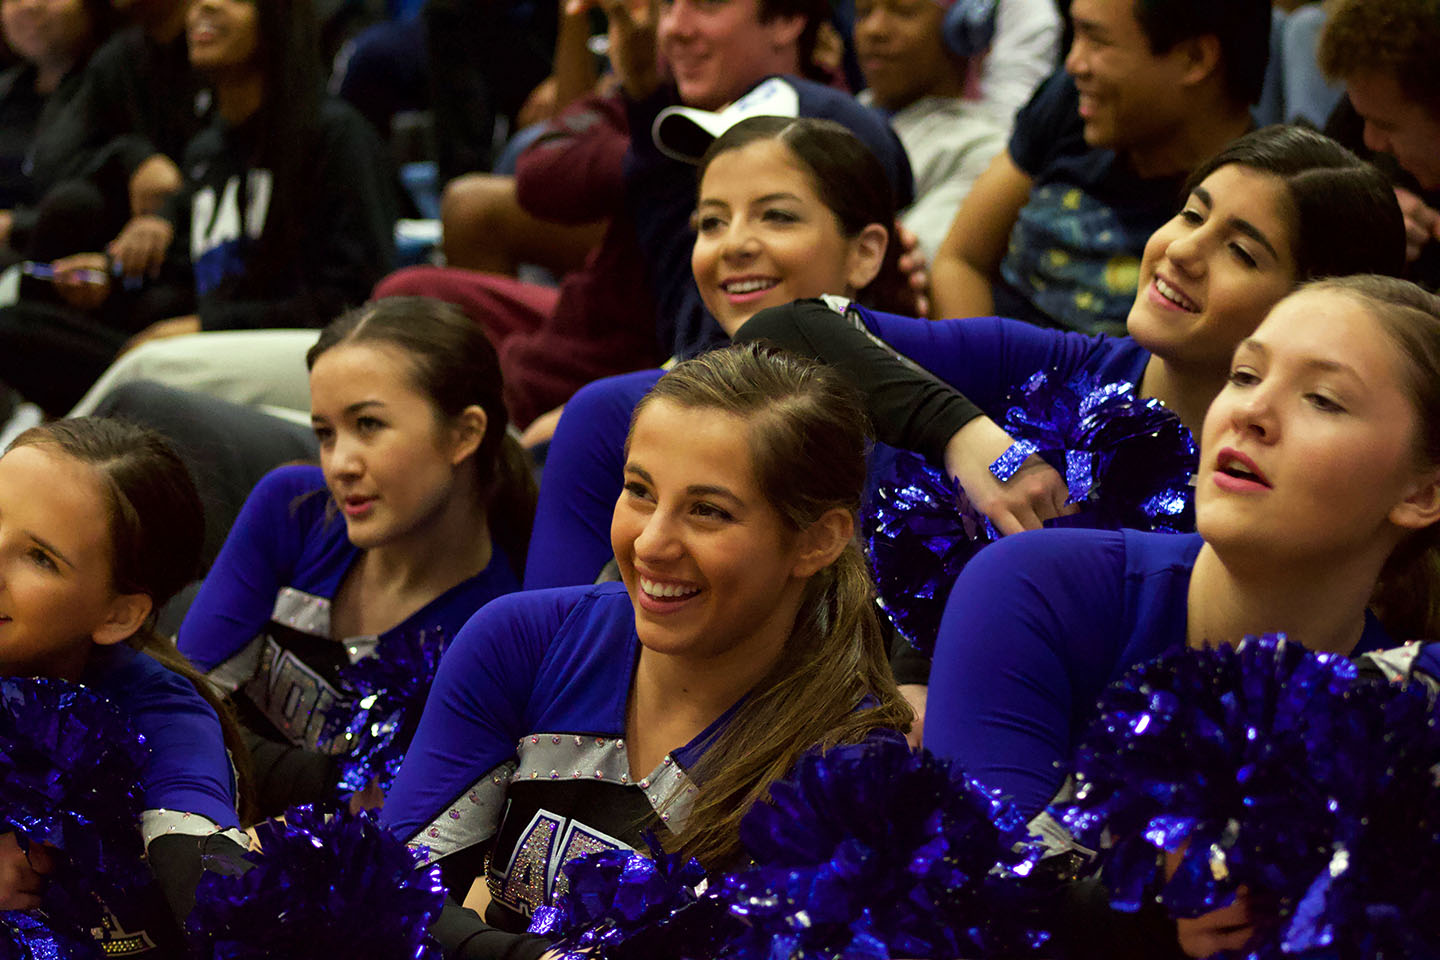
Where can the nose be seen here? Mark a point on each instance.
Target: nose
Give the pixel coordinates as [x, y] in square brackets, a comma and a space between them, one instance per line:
[1253, 414]
[1187, 252]
[740, 242]
[676, 20]
[344, 457]
[658, 542]
[872, 25]
[1076, 62]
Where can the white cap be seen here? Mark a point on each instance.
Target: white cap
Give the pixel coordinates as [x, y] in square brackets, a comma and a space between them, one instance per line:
[684, 133]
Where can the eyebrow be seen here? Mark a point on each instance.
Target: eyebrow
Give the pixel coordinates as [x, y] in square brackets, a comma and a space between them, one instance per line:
[768, 198]
[1316, 363]
[694, 490]
[1238, 223]
[351, 409]
[50, 548]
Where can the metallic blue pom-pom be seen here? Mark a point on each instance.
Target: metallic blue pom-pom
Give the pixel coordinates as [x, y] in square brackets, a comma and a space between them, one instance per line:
[337, 886]
[1233, 760]
[1127, 462]
[388, 690]
[871, 850]
[70, 771]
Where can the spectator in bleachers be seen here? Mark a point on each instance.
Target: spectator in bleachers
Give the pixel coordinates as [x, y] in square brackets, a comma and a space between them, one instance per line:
[1053, 230]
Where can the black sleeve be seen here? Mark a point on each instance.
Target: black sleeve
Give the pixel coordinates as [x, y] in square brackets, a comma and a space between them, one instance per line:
[909, 665]
[910, 407]
[178, 860]
[462, 935]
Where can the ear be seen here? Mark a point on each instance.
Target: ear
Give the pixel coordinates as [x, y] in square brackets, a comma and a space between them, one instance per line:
[466, 432]
[126, 615]
[867, 255]
[1199, 58]
[822, 542]
[785, 30]
[1422, 507]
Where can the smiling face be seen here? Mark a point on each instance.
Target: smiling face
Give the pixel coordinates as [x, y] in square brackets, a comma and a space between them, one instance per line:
[1310, 451]
[1129, 96]
[718, 49]
[710, 566]
[222, 34]
[1210, 274]
[764, 237]
[46, 31]
[391, 464]
[56, 598]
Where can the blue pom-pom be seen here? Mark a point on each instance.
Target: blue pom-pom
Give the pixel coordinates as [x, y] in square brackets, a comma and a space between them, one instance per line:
[871, 850]
[1234, 759]
[1127, 462]
[319, 887]
[70, 769]
[388, 691]
[614, 895]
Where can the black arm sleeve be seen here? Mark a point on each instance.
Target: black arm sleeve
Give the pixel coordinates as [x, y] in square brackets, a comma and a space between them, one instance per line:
[462, 935]
[178, 860]
[910, 407]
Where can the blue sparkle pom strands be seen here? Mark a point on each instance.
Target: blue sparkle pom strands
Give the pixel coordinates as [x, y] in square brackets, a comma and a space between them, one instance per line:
[320, 887]
[70, 768]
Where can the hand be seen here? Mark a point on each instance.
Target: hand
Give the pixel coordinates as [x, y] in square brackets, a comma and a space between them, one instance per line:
[7, 224]
[1036, 493]
[633, 57]
[1422, 223]
[915, 694]
[371, 798]
[539, 106]
[83, 280]
[21, 874]
[153, 182]
[541, 429]
[1229, 928]
[140, 249]
[915, 267]
[162, 329]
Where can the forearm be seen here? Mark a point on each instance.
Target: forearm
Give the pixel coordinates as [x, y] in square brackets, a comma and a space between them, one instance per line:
[462, 935]
[959, 289]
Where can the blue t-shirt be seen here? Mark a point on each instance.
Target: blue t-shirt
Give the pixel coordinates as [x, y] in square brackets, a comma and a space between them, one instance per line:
[984, 358]
[261, 622]
[1036, 627]
[521, 748]
[1074, 255]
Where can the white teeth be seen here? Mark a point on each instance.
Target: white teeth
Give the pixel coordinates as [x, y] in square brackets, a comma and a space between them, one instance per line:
[1174, 296]
[749, 286]
[666, 590]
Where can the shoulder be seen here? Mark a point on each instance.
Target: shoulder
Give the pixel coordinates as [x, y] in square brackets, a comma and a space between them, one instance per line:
[555, 612]
[280, 491]
[1058, 554]
[1159, 554]
[150, 694]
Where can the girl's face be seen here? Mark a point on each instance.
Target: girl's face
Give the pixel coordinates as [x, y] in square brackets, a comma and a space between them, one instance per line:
[712, 570]
[1210, 274]
[1310, 449]
[56, 597]
[42, 31]
[391, 463]
[222, 33]
[765, 238]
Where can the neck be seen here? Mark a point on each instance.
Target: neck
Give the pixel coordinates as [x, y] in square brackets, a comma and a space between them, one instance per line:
[1187, 393]
[1320, 604]
[49, 73]
[1199, 138]
[238, 98]
[448, 549]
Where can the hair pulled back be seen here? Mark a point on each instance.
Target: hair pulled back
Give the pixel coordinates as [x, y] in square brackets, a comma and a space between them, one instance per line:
[453, 363]
[847, 178]
[1407, 598]
[808, 437]
[1344, 218]
[156, 532]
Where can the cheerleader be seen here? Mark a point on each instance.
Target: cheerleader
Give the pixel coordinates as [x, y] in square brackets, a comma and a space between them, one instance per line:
[565, 722]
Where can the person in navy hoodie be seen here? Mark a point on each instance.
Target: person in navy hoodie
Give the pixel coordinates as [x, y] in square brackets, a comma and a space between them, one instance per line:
[99, 526]
[418, 515]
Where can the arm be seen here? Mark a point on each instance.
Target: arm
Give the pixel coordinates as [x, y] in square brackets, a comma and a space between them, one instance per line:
[238, 594]
[969, 258]
[575, 172]
[1027, 628]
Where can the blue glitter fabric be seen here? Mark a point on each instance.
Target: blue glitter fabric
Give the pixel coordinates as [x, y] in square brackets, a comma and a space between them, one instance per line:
[614, 895]
[872, 851]
[1127, 462]
[1235, 758]
[319, 887]
[389, 691]
[1377, 898]
[70, 769]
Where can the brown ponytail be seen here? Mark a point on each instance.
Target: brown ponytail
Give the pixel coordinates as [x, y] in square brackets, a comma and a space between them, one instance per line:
[832, 682]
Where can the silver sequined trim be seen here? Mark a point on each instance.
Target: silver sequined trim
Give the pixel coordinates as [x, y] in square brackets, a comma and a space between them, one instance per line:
[471, 819]
[302, 611]
[571, 756]
[235, 672]
[159, 822]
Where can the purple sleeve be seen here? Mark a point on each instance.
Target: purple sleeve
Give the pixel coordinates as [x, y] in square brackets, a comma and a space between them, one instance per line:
[258, 557]
[189, 770]
[1028, 636]
[476, 710]
[570, 542]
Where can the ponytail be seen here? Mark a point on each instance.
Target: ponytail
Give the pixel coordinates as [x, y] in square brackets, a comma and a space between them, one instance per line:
[511, 504]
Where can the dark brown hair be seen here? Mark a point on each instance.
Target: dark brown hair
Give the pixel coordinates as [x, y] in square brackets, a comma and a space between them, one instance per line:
[847, 178]
[1398, 37]
[453, 363]
[832, 682]
[157, 529]
[1407, 598]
